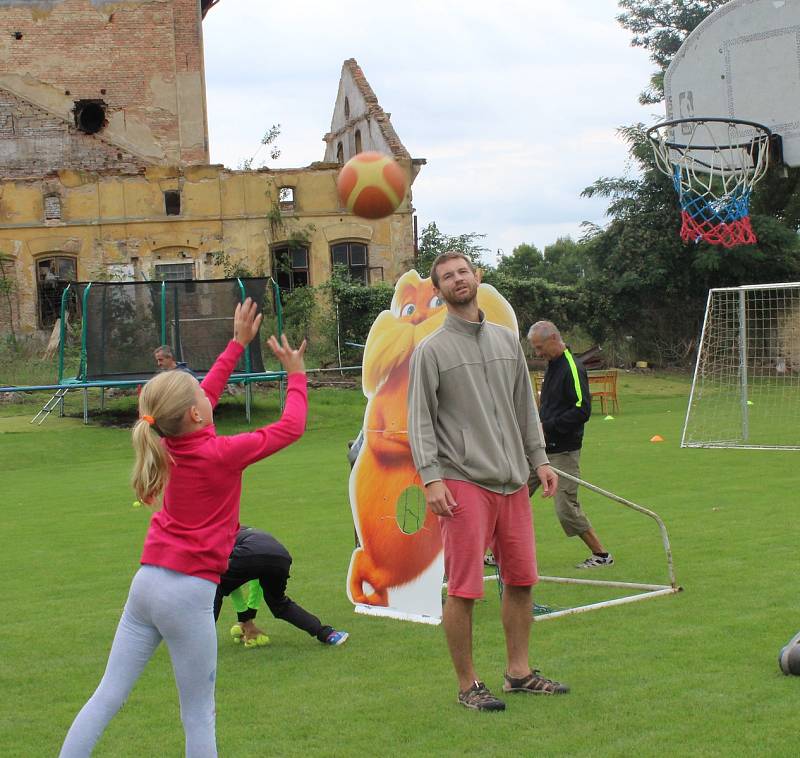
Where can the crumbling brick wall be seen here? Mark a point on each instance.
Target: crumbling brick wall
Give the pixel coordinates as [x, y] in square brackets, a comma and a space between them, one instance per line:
[142, 59]
[33, 142]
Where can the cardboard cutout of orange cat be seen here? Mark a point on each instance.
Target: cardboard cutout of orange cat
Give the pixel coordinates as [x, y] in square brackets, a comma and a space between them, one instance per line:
[398, 571]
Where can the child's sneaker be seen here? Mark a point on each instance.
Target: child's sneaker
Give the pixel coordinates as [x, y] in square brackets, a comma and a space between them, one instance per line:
[260, 640]
[336, 638]
[594, 561]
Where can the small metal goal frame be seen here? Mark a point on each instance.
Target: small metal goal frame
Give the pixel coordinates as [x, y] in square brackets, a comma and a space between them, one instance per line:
[644, 591]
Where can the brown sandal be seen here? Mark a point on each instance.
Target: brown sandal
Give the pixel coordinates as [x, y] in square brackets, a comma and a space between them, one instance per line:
[535, 684]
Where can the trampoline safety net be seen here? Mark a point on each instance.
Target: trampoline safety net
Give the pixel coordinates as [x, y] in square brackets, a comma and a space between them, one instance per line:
[126, 321]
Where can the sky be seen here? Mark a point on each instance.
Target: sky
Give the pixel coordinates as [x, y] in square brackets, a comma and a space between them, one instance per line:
[515, 104]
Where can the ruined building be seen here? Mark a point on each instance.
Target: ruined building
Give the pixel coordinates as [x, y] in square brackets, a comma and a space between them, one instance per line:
[105, 174]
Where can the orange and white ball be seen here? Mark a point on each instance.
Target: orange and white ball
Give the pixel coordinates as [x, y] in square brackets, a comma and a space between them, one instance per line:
[371, 185]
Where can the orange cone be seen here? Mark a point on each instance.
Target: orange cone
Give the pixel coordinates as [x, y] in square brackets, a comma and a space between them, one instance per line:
[656, 438]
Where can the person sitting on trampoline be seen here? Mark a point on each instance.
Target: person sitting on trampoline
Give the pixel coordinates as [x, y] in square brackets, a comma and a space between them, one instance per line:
[258, 556]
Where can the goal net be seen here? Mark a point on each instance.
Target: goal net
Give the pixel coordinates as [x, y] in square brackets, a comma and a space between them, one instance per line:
[746, 387]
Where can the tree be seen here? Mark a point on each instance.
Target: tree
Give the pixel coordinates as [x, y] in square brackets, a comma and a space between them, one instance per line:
[432, 242]
[269, 141]
[525, 262]
[644, 288]
[661, 26]
[645, 283]
[563, 262]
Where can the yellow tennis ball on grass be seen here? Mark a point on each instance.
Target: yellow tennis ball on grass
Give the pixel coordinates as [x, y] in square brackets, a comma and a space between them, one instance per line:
[371, 185]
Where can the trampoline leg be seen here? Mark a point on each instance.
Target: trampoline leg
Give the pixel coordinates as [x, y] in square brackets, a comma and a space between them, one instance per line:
[248, 394]
[85, 405]
[102, 398]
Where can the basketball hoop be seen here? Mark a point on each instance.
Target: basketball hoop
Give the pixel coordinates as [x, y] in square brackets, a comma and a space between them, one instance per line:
[714, 163]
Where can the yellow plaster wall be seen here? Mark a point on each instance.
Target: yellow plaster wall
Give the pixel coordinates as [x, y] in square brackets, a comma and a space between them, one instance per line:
[109, 220]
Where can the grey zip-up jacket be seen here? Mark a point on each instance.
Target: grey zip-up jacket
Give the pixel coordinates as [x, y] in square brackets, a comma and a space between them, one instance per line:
[471, 413]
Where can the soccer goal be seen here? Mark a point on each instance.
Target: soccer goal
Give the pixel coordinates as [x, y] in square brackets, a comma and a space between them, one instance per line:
[746, 386]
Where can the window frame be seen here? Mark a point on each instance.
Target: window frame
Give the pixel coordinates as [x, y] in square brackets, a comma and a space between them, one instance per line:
[357, 272]
[48, 296]
[287, 198]
[286, 276]
[184, 264]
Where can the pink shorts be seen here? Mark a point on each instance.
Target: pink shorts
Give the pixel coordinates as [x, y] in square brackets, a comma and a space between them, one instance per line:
[484, 519]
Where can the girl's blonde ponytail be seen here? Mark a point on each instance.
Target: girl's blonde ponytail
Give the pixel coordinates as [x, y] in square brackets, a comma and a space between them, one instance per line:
[162, 404]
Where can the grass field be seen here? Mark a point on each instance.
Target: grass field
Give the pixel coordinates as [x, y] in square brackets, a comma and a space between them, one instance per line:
[692, 674]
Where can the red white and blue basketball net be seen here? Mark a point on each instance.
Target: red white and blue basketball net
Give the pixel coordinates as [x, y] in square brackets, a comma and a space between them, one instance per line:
[714, 165]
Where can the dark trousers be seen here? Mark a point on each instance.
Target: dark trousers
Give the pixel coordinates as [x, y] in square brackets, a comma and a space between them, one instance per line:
[273, 575]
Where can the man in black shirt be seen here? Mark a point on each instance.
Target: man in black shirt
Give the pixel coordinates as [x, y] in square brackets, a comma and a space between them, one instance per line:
[564, 407]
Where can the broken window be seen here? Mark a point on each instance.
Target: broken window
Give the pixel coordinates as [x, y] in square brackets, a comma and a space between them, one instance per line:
[174, 272]
[346, 108]
[358, 141]
[286, 198]
[354, 257]
[53, 276]
[339, 154]
[172, 202]
[90, 115]
[290, 267]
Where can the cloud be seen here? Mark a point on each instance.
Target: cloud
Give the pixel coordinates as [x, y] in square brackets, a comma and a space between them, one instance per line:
[514, 104]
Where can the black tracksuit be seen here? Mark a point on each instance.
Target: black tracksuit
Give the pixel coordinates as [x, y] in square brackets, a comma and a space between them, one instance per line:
[561, 411]
[258, 555]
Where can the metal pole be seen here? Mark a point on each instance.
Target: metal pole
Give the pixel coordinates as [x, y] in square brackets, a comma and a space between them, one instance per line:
[607, 603]
[83, 369]
[634, 506]
[62, 332]
[743, 364]
[338, 338]
[697, 367]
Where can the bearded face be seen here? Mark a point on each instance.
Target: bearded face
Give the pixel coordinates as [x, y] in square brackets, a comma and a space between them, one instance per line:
[458, 282]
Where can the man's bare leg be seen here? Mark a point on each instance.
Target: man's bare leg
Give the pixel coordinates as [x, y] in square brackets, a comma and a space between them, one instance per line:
[457, 621]
[593, 542]
[517, 616]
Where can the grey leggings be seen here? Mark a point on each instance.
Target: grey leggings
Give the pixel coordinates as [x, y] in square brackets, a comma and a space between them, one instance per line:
[177, 608]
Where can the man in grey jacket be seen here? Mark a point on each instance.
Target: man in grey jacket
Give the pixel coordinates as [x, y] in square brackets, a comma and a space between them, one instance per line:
[474, 434]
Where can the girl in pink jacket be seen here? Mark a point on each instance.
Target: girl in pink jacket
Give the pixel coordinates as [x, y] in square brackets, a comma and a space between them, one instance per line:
[197, 478]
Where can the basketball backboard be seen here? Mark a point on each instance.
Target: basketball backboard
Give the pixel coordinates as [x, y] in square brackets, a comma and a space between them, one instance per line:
[742, 62]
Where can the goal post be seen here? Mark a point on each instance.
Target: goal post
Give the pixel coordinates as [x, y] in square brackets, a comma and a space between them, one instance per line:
[746, 386]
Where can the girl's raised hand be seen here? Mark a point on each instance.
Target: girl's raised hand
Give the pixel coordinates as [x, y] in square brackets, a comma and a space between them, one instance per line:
[246, 322]
[291, 360]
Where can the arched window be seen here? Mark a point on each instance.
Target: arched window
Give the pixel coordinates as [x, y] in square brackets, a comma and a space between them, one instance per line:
[358, 141]
[354, 257]
[340, 153]
[346, 108]
[53, 274]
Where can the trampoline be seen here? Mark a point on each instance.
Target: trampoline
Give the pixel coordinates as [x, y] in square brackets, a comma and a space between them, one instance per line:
[122, 323]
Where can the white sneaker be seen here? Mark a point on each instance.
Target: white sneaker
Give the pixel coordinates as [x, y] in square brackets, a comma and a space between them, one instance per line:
[594, 561]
